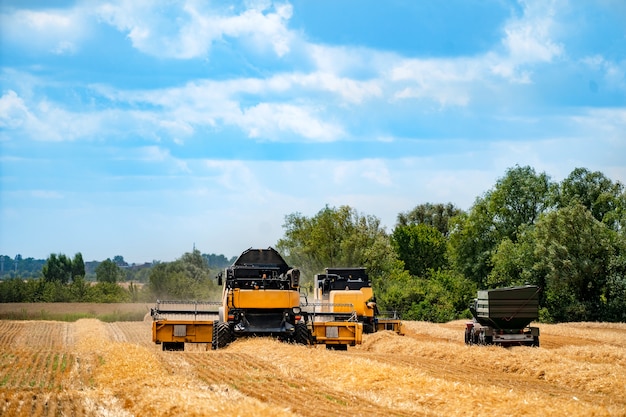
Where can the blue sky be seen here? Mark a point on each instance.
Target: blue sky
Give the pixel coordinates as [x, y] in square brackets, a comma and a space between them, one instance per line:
[140, 128]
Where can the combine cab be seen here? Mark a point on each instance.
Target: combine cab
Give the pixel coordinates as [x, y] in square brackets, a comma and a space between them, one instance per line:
[342, 291]
[260, 297]
[502, 317]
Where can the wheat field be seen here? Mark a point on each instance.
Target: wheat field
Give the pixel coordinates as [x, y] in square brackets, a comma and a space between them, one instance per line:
[91, 368]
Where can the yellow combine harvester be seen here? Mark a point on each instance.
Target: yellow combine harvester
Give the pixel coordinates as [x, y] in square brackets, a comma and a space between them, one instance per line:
[347, 290]
[260, 296]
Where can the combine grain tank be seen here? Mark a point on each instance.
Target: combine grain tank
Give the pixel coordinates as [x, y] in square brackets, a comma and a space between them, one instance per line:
[502, 316]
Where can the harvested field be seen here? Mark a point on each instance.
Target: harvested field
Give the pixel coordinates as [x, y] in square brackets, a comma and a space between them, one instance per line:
[91, 368]
[35, 311]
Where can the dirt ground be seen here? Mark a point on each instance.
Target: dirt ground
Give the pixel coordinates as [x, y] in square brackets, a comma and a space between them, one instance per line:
[91, 368]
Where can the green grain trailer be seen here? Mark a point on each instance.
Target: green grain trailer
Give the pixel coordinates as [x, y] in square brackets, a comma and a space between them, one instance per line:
[502, 317]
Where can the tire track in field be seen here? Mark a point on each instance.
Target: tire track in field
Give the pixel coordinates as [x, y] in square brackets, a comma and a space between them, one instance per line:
[132, 380]
[135, 332]
[300, 392]
[10, 332]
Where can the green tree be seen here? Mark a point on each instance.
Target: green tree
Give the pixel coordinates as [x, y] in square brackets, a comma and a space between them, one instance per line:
[169, 281]
[342, 237]
[108, 292]
[195, 265]
[108, 271]
[575, 250]
[601, 196]
[471, 242]
[119, 261]
[58, 268]
[516, 201]
[14, 290]
[442, 296]
[421, 247]
[436, 215]
[79, 289]
[336, 237]
[78, 266]
[514, 263]
[186, 278]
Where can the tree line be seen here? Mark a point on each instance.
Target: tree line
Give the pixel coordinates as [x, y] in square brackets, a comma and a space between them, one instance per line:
[63, 279]
[567, 237]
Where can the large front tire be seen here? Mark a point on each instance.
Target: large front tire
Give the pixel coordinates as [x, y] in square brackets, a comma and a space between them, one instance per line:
[222, 335]
[302, 334]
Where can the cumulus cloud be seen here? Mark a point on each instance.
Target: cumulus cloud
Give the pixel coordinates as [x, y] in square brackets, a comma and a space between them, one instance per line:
[13, 111]
[273, 121]
[189, 28]
[529, 39]
[59, 32]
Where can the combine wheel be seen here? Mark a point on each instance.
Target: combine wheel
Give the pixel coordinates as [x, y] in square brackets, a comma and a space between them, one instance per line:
[535, 341]
[468, 337]
[368, 328]
[302, 334]
[222, 335]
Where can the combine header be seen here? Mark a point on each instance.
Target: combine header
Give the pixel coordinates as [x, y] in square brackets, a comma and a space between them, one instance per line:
[177, 322]
[502, 317]
[260, 296]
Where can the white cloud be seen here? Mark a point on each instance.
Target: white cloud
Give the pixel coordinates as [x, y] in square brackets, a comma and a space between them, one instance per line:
[189, 31]
[54, 31]
[608, 123]
[13, 111]
[614, 73]
[529, 40]
[448, 82]
[272, 121]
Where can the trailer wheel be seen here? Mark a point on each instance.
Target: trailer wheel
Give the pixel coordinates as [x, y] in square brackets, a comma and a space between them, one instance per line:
[222, 335]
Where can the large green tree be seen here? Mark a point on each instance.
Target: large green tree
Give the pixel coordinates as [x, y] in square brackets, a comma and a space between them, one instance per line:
[421, 247]
[108, 271]
[186, 278]
[575, 251]
[516, 201]
[78, 266]
[436, 215]
[58, 268]
[336, 237]
[601, 196]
